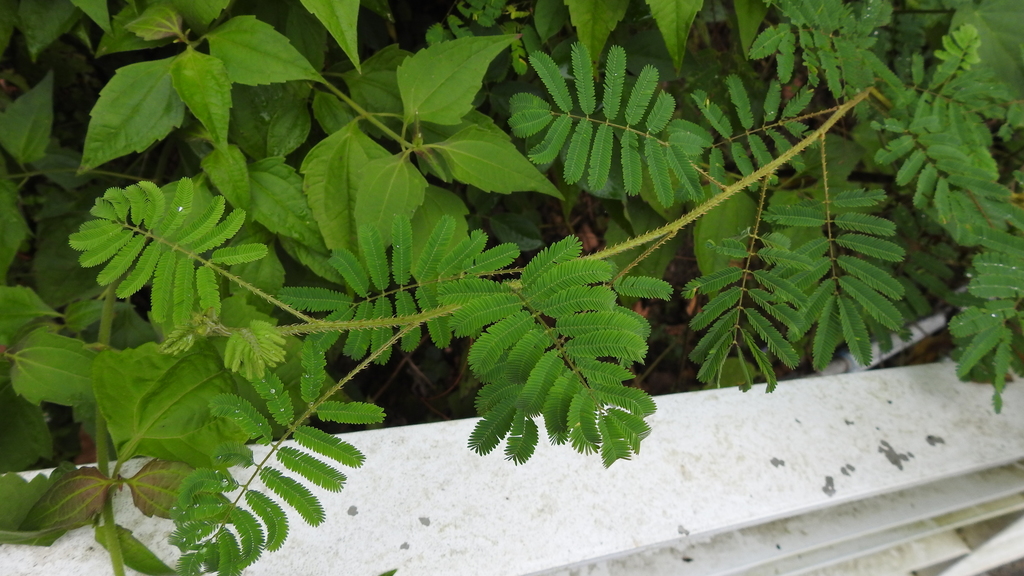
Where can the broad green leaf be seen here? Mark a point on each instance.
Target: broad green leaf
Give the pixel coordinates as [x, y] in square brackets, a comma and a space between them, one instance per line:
[24, 435]
[43, 21]
[96, 10]
[225, 166]
[437, 204]
[46, 367]
[202, 83]
[490, 162]
[158, 405]
[999, 23]
[25, 124]
[254, 53]
[376, 88]
[135, 554]
[8, 19]
[18, 306]
[549, 16]
[72, 501]
[332, 114]
[19, 497]
[594, 20]
[278, 203]
[155, 487]
[136, 108]
[726, 220]
[674, 18]
[517, 229]
[390, 186]
[438, 84]
[157, 22]
[749, 15]
[339, 17]
[270, 120]
[332, 172]
[199, 13]
[120, 39]
[13, 228]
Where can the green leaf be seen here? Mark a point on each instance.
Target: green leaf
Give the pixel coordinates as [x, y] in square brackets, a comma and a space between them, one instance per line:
[390, 187]
[46, 367]
[241, 254]
[614, 79]
[202, 83]
[158, 405]
[576, 156]
[548, 149]
[72, 501]
[854, 331]
[749, 15]
[332, 172]
[339, 17]
[583, 73]
[490, 162]
[24, 435]
[254, 53]
[438, 83]
[134, 553]
[350, 412]
[18, 306]
[331, 113]
[13, 227]
[25, 124]
[551, 76]
[96, 10]
[997, 23]
[272, 515]
[43, 21]
[319, 473]
[641, 94]
[594, 20]
[278, 203]
[674, 18]
[328, 445]
[157, 22]
[726, 220]
[226, 167]
[244, 414]
[296, 495]
[155, 486]
[136, 108]
[871, 246]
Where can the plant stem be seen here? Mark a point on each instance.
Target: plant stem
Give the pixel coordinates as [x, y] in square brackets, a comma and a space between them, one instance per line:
[102, 442]
[763, 172]
[369, 117]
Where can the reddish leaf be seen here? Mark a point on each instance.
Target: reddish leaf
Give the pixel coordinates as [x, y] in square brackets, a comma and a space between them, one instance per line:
[72, 501]
[155, 487]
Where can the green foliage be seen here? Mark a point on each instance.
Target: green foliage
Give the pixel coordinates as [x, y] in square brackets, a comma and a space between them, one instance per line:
[291, 253]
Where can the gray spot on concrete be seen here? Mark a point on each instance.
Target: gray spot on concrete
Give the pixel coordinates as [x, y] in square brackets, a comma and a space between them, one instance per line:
[933, 440]
[352, 511]
[830, 487]
[404, 546]
[683, 531]
[848, 422]
[798, 421]
[894, 457]
[776, 462]
[424, 520]
[847, 469]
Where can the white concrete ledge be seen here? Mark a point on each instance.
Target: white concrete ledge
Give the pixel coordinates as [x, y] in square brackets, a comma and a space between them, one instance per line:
[717, 461]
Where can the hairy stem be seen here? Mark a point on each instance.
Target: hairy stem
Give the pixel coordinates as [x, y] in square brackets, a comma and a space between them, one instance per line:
[108, 530]
[756, 176]
[370, 117]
